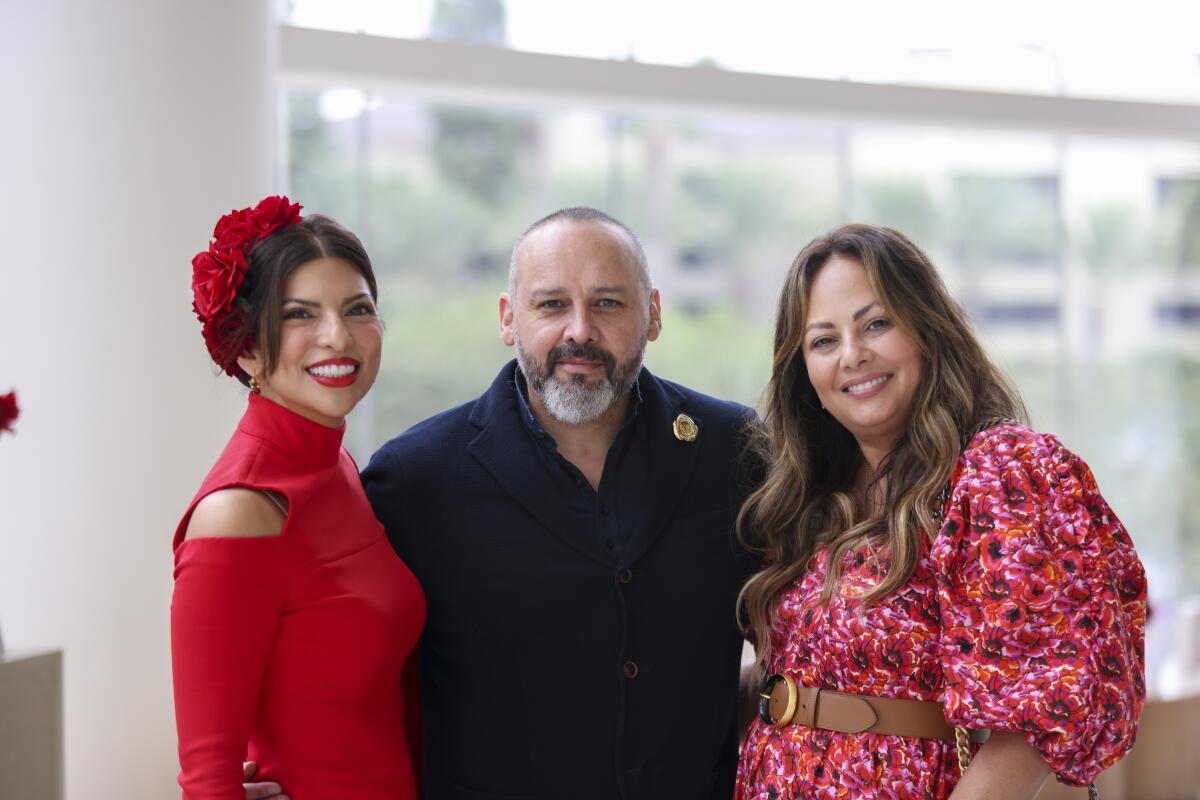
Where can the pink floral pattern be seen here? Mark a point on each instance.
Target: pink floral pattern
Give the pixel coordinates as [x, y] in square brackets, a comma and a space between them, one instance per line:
[1026, 614]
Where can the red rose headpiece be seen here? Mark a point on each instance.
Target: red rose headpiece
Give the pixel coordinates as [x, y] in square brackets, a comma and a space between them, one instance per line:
[219, 271]
[8, 411]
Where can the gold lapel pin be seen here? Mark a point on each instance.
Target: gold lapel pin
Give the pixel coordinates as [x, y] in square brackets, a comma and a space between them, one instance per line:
[685, 428]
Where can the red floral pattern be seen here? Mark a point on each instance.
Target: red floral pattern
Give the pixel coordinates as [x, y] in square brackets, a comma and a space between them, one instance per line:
[1026, 614]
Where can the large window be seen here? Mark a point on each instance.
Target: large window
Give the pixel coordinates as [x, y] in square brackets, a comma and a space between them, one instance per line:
[1077, 255]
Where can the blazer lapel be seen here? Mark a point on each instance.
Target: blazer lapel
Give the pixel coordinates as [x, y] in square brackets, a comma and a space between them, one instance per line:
[672, 461]
[505, 450]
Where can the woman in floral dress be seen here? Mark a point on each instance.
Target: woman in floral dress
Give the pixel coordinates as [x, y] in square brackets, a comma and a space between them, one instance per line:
[922, 543]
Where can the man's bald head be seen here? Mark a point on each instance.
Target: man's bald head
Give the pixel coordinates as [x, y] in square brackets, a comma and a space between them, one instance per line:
[584, 215]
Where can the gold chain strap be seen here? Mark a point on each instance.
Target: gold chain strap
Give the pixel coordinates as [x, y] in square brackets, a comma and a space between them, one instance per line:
[964, 749]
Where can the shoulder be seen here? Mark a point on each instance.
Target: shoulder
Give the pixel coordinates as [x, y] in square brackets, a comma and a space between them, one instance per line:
[1012, 446]
[1012, 440]
[428, 434]
[235, 512]
[439, 440]
[710, 409]
[1014, 456]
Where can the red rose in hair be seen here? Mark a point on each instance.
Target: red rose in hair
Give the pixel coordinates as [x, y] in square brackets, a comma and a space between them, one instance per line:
[8, 411]
[233, 231]
[216, 278]
[219, 271]
[273, 213]
[218, 338]
[241, 229]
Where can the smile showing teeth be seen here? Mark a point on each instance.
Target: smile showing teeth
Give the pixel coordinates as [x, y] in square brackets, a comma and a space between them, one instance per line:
[867, 386]
[332, 370]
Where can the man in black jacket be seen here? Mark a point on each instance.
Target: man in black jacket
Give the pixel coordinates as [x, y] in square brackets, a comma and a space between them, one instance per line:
[573, 529]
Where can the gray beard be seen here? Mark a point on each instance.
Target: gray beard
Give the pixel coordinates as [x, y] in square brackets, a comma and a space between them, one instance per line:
[574, 401]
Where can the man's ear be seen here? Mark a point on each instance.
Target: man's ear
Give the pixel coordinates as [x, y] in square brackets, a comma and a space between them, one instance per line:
[655, 326]
[506, 320]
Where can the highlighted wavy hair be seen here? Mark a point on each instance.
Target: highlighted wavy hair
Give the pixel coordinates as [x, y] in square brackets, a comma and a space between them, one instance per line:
[806, 502]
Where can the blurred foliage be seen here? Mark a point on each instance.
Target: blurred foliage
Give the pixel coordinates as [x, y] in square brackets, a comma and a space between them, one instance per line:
[1187, 475]
[1142, 440]
[584, 188]
[1113, 239]
[427, 229]
[1002, 220]
[719, 351]
[481, 151]
[318, 169]
[721, 210]
[440, 203]
[442, 348]
[480, 21]
[1181, 223]
[905, 204]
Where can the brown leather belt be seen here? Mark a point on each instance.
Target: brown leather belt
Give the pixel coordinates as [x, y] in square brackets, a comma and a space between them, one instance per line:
[782, 703]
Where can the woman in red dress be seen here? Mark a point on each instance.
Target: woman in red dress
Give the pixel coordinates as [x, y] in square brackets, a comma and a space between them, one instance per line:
[292, 619]
[924, 551]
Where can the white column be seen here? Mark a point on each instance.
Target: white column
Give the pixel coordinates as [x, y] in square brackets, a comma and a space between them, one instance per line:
[128, 126]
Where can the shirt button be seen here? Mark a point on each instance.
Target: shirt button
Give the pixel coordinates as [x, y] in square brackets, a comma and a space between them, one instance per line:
[630, 669]
[604, 510]
[626, 575]
[609, 543]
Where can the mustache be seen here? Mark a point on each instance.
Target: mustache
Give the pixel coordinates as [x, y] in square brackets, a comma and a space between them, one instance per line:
[589, 352]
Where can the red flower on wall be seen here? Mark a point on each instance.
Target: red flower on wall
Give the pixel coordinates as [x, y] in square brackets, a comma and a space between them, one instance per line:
[8, 411]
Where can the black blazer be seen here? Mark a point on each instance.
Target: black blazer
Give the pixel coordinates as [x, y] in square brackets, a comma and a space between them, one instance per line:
[535, 630]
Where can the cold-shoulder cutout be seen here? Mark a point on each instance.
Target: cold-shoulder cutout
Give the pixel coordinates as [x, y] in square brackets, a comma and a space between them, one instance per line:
[237, 512]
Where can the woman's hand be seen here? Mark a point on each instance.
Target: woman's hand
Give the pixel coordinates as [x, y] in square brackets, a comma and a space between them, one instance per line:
[1006, 768]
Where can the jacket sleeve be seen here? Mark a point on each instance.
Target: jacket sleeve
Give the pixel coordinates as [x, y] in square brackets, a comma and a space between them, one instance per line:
[229, 594]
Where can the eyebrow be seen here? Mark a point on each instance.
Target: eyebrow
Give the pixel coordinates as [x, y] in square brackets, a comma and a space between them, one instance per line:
[315, 304]
[541, 294]
[857, 316]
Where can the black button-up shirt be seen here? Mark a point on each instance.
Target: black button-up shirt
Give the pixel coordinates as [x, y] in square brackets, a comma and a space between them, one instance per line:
[613, 512]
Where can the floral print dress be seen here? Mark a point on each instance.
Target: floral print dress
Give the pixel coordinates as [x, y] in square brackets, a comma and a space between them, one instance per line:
[1026, 614]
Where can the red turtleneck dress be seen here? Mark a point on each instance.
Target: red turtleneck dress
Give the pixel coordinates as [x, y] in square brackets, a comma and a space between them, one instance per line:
[288, 650]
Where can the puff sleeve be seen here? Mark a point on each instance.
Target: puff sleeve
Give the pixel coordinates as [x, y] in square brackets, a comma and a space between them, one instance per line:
[229, 594]
[1043, 604]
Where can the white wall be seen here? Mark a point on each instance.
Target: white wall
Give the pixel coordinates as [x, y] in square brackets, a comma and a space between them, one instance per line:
[127, 127]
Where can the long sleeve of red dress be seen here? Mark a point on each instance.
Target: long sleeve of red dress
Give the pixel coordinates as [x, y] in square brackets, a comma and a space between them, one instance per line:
[229, 594]
[291, 650]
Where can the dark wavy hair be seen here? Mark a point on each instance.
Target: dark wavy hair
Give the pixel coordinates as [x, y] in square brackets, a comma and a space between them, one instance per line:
[806, 502]
[268, 265]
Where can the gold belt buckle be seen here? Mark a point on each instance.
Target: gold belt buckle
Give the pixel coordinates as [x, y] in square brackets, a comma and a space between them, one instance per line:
[777, 701]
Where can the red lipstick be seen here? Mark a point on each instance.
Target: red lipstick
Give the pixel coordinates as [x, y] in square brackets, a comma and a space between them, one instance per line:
[336, 373]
